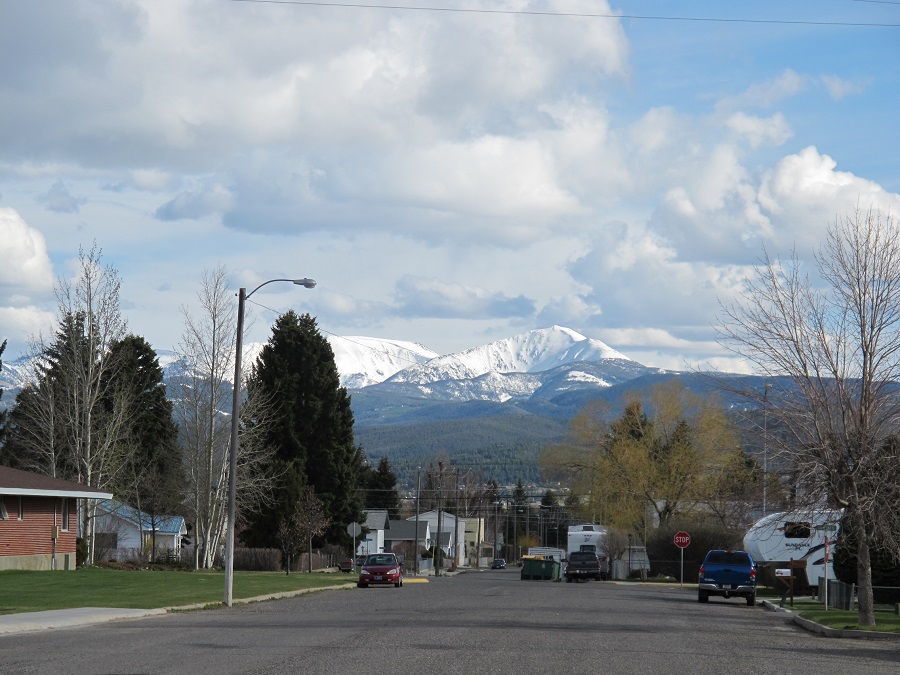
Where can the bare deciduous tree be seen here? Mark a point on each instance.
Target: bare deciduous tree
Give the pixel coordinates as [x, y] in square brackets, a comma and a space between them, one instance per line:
[72, 419]
[202, 407]
[305, 521]
[830, 349]
[203, 400]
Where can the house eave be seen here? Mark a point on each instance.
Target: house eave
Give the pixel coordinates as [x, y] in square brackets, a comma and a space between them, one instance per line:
[29, 492]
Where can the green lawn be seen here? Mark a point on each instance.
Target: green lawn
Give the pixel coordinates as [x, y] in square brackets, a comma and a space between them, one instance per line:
[23, 591]
[885, 618]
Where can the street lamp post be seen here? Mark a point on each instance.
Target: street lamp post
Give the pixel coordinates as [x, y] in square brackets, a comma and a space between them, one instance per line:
[765, 447]
[235, 409]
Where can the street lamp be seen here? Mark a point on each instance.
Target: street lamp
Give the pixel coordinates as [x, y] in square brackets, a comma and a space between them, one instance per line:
[235, 408]
[765, 446]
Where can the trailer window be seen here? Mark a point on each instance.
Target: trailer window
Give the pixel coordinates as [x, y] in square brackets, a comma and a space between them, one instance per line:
[797, 531]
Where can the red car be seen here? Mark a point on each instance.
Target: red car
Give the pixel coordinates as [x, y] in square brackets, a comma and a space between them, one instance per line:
[381, 569]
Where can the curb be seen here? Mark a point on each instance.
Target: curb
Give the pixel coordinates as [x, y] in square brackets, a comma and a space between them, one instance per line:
[258, 598]
[825, 631]
[28, 622]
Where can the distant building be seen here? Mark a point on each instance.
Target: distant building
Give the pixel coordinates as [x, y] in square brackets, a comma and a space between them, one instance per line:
[377, 524]
[123, 533]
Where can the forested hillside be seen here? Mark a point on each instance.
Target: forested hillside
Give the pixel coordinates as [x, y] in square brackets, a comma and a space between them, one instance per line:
[500, 447]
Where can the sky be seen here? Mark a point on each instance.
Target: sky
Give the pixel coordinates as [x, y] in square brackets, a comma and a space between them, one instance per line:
[449, 172]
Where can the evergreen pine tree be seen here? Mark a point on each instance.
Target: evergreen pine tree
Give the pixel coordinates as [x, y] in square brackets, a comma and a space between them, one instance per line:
[153, 480]
[381, 489]
[313, 432]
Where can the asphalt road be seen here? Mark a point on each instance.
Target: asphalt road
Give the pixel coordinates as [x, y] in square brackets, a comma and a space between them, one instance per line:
[473, 623]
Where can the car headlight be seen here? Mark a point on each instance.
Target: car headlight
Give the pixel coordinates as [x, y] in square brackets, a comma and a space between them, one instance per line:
[395, 570]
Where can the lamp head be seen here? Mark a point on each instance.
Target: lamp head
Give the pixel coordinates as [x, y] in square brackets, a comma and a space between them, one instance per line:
[306, 283]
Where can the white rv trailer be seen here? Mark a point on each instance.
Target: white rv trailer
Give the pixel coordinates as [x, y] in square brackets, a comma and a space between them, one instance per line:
[587, 537]
[590, 538]
[795, 535]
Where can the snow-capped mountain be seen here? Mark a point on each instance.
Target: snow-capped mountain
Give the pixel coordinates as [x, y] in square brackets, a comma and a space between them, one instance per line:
[532, 352]
[538, 363]
[363, 361]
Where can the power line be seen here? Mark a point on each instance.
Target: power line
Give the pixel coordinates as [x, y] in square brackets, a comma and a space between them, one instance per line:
[582, 15]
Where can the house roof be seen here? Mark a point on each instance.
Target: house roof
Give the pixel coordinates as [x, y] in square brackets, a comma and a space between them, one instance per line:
[405, 530]
[148, 523]
[432, 514]
[377, 519]
[29, 484]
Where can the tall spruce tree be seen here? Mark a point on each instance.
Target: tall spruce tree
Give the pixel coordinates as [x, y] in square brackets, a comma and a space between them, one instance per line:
[313, 432]
[153, 479]
[381, 489]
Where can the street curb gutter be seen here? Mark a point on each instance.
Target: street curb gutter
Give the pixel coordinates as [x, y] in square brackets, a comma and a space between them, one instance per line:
[825, 631]
[258, 598]
[29, 622]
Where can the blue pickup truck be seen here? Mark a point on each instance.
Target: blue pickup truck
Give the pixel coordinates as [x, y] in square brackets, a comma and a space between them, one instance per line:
[728, 574]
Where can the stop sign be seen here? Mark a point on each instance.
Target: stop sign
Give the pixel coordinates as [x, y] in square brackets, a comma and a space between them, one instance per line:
[682, 539]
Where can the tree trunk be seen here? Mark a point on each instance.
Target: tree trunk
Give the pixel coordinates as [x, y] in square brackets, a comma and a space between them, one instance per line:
[864, 574]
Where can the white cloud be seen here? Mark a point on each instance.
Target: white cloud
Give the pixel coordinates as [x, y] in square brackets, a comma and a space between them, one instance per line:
[767, 93]
[757, 130]
[20, 324]
[24, 263]
[838, 88]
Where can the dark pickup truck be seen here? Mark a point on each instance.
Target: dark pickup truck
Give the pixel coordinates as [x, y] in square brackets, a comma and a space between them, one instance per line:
[728, 573]
[584, 565]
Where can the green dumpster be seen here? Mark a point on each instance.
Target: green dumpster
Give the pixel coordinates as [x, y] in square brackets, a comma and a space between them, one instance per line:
[539, 568]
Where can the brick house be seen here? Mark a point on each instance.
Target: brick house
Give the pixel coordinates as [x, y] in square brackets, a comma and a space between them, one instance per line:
[39, 520]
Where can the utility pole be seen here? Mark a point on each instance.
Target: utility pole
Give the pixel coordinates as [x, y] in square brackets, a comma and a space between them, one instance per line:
[456, 558]
[416, 554]
[496, 519]
[439, 552]
[765, 446]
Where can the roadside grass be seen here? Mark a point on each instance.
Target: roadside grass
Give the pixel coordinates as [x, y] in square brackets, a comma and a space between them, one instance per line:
[27, 591]
[886, 620]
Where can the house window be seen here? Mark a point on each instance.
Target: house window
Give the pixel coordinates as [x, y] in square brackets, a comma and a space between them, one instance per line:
[3, 514]
[21, 509]
[65, 515]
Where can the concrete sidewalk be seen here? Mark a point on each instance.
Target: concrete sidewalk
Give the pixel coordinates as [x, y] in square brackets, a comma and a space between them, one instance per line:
[68, 618]
[83, 616]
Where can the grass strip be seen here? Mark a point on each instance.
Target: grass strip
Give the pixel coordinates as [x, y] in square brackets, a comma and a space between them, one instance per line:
[27, 591]
[886, 620]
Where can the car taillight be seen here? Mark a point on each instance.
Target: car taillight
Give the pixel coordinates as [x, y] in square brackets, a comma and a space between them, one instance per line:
[701, 570]
[752, 572]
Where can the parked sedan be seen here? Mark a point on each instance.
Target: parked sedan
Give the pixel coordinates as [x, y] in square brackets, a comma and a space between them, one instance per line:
[381, 569]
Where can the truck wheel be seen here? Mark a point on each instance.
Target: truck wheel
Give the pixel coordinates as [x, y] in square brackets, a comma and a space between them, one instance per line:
[568, 579]
[703, 596]
[751, 600]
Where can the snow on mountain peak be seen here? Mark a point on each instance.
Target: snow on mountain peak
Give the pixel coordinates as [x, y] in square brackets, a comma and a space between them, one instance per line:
[531, 352]
[362, 361]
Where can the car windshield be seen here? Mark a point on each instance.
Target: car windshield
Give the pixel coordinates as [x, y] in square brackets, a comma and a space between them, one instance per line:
[380, 560]
[728, 558]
